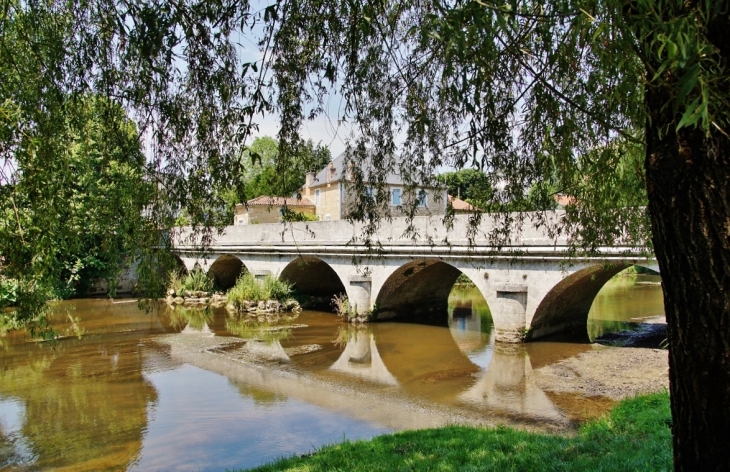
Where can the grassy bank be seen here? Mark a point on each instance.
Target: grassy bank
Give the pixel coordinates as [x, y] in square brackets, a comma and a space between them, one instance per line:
[634, 437]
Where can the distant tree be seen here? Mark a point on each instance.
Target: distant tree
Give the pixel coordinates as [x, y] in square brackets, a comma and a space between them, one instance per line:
[470, 185]
[266, 176]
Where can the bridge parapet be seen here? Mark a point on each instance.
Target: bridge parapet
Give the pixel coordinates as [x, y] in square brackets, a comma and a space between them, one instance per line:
[424, 236]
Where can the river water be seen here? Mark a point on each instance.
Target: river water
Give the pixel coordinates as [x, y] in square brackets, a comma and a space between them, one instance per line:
[126, 389]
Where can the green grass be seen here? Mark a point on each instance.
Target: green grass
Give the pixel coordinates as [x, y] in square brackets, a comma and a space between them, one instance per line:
[247, 288]
[635, 436]
[195, 281]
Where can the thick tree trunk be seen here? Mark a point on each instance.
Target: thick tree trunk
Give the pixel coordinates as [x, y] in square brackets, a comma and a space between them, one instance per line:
[688, 183]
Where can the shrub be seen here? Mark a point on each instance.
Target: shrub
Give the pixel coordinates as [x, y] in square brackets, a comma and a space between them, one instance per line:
[247, 288]
[198, 281]
[195, 281]
[290, 216]
[276, 289]
[341, 305]
[8, 292]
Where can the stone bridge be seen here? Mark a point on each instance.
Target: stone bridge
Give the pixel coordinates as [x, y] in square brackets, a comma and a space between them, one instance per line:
[532, 287]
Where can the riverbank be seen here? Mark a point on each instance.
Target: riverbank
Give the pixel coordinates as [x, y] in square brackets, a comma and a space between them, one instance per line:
[635, 435]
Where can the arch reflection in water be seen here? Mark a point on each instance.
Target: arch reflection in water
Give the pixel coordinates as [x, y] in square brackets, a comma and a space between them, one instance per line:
[505, 386]
[470, 323]
[361, 357]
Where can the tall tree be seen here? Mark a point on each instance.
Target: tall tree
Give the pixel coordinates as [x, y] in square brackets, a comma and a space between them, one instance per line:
[526, 90]
[268, 174]
[471, 185]
[80, 220]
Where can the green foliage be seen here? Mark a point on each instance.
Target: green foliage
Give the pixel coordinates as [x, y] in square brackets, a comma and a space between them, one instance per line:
[464, 281]
[293, 216]
[471, 185]
[8, 292]
[275, 288]
[269, 173]
[67, 222]
[195, 281]
[635, 436]
[248, 288]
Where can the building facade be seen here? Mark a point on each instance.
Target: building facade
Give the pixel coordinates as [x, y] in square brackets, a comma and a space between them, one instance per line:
[332, 193]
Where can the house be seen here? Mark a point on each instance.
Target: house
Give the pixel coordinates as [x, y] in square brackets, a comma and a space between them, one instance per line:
[267, 209]
[329, 191]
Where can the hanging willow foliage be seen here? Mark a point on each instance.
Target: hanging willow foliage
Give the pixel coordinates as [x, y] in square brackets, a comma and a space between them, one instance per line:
[623, 105]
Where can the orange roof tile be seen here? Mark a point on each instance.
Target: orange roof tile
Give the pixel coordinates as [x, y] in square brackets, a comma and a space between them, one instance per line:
[460, 205]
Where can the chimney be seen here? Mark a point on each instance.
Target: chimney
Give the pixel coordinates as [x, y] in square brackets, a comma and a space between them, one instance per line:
[309, 180]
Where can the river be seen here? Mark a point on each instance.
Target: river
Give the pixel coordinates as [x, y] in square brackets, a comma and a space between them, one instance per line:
[126, 389]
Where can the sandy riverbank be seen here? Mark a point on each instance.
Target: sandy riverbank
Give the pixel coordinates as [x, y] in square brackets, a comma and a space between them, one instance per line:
[632, 365]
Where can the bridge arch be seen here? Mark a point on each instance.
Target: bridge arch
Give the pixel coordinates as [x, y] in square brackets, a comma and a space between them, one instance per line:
[417, 288]
[225, 270]
[313, 276]
[565, 307]
[178, 265]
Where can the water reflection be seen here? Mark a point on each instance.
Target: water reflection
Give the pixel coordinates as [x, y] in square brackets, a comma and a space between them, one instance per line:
[127, 395]
[361, 358]
[190, 319]
[505, 387]
[84, 401]
[471, 325]
[625, 298]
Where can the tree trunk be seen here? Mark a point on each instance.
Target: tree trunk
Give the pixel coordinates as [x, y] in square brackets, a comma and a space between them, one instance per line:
[688, 184]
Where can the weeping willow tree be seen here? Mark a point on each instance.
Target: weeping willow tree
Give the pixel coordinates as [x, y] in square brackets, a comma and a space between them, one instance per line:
[621, 104]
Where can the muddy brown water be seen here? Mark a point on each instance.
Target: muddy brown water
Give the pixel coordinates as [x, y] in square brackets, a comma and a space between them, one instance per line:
[193, 390]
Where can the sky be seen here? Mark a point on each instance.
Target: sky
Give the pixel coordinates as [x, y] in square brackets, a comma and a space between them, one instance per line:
[324, 128]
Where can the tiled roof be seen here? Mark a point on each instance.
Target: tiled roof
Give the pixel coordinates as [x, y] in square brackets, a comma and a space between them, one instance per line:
[265, 200]
[565, 200]
[460, 205]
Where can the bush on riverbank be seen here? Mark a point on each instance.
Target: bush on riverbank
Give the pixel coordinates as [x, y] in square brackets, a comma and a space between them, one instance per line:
[8, 292]
[195, 281]
[249, 290]
[635, 436]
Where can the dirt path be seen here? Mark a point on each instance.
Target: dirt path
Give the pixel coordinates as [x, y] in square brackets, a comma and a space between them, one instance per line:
[633, 364]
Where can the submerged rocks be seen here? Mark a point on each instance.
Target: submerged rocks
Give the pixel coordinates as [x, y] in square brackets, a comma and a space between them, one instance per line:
[216, 300]
[195, 298]
[264, 306]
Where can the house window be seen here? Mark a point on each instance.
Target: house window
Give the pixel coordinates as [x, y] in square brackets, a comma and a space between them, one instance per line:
[370, 193]
[422, 198]
[316, 197]
[328, 217]
[395, 196]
